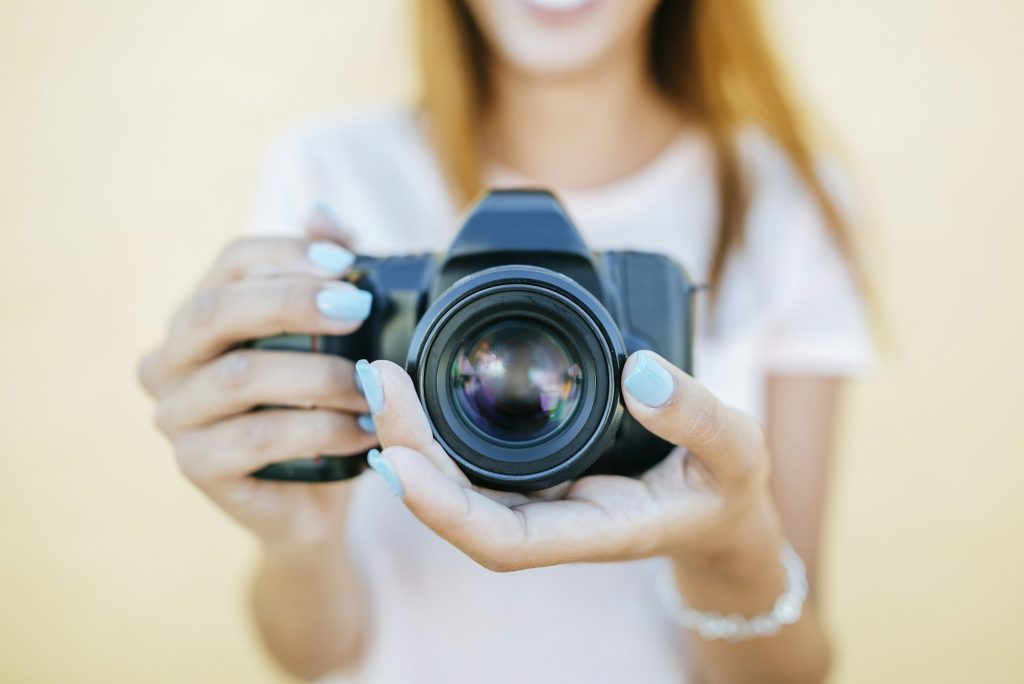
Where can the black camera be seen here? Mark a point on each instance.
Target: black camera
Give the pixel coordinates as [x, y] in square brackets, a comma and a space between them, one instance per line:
[515, 340]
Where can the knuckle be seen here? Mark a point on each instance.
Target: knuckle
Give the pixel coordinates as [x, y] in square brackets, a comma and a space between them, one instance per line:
[190, 468]
[202, 308]
[294, 301]
[164, 416]
[257, 434]
[190, 460]
[147, 372]
[706, 419]
[233, 370]
[334, 432]
[749, 466]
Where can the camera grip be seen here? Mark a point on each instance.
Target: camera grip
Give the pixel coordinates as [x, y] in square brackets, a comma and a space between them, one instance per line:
[319, 468]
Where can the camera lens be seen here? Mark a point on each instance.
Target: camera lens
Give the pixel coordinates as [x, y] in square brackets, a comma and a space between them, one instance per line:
[516, 381]
[517, 367]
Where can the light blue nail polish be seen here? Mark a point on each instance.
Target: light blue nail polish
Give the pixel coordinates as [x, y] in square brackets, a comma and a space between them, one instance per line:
[330, 257]
[324, 207]
[649, 382]
[369, 383]
[344, 304]
[380, 464]
[366, 424]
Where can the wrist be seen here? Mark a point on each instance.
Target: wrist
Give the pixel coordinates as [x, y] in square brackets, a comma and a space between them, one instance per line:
[742, 573]
[305, 553]
[740, 623]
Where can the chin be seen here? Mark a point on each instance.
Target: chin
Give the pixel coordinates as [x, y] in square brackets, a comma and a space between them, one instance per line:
[556, 59]
[555, 37]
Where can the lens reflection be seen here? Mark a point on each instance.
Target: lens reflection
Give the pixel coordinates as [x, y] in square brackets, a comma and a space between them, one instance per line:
[516, 381]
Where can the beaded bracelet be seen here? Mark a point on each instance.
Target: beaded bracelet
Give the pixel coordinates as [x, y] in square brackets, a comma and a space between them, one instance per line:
[713, 625]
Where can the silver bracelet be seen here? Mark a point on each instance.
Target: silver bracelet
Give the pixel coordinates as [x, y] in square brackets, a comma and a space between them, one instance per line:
[712, 625]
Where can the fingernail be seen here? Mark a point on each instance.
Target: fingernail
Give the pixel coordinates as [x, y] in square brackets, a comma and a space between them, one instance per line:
[649, 382]
[365, 422]
[324, 208]
[381, 465]
[331, 257]
[369, 383]
[344, 304]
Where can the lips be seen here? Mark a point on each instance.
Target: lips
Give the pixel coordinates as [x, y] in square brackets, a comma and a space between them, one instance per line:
[559, 6]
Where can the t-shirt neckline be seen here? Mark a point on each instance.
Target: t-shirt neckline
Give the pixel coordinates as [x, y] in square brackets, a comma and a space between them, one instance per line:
[677, 152]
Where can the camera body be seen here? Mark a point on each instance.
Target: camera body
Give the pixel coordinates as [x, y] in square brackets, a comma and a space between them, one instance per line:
[519, 286]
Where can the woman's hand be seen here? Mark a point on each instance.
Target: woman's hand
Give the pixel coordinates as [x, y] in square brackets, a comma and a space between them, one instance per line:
[207, 386]
[706, 505]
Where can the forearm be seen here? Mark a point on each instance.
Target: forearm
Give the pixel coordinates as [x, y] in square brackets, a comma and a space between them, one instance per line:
[310, 609]
[798, 654]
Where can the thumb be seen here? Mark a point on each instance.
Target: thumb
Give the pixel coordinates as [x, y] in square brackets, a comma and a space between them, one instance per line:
[432, 496]
[398, 416]
[482, 528]
[677, 408]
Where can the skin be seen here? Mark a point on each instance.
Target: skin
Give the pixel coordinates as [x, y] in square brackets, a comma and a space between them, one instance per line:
[205, 391]
[572, 107]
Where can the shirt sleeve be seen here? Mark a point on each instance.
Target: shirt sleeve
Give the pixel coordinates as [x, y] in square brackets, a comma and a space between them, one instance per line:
[815, 321]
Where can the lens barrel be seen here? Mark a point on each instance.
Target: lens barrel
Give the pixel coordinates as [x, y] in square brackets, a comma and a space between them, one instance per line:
[517, 370]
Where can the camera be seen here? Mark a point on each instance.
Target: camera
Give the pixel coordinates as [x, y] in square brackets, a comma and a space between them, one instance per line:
[515, 339]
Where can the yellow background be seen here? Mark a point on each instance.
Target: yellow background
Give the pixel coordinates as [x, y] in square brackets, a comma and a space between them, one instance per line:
[130, 137]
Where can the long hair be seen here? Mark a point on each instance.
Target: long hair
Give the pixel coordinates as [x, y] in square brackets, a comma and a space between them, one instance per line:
[710, 57]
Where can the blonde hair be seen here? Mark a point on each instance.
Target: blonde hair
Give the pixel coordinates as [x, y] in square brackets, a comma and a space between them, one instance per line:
[710, 57]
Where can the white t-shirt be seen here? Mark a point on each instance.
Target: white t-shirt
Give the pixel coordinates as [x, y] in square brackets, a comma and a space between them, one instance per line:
[787, 305]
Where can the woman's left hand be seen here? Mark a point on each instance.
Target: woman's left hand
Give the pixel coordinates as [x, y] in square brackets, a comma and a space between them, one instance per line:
[706, 505]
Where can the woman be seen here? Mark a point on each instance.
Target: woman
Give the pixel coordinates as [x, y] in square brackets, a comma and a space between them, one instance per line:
[664, 127]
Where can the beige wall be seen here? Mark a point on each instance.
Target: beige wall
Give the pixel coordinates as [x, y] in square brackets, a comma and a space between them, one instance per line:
[130, 132]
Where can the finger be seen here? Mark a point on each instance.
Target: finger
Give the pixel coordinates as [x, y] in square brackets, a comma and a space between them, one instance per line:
[480, 527]
[398, 414]
[223, 317]
[263, 257]
[677, 408]
[244, 379]
[323, 224]
[151, 375]
[589, 525]
[239, 446]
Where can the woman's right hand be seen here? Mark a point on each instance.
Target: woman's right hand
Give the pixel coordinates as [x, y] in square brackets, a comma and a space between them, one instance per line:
[206, 386]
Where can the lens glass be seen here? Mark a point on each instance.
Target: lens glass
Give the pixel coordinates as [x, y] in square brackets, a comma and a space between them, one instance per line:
[516, 381]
